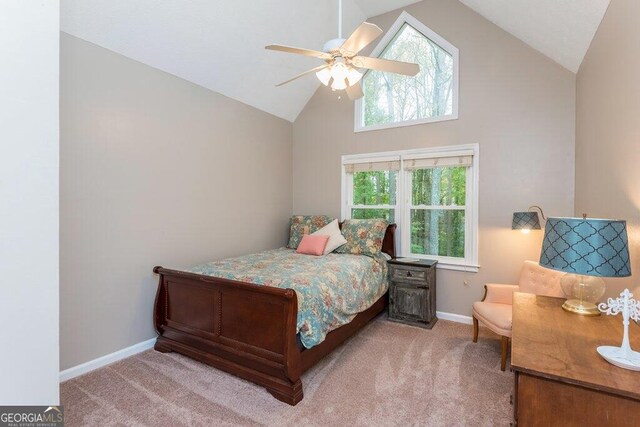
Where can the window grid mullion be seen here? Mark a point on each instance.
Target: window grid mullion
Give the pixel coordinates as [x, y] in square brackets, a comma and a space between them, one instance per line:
[372, 206]
[438, 207]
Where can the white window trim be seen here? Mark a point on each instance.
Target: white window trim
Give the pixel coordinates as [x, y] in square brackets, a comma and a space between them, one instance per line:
[437, 39]
[402, 212]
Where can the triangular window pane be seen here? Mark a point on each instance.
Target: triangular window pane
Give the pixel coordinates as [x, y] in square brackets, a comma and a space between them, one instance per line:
[392, 98]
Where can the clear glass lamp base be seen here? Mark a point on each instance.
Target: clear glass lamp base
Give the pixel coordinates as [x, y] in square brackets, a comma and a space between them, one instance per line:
[582, 292]
[618, 356]
[583, 308]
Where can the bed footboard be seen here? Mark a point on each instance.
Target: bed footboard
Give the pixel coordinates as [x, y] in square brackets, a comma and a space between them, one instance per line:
[244, 329]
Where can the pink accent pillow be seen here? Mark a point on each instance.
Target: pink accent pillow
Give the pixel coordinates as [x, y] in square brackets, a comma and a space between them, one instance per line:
[312, 244]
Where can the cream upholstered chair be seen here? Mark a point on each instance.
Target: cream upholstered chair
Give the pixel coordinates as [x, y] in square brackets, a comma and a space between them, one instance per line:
[494, 311]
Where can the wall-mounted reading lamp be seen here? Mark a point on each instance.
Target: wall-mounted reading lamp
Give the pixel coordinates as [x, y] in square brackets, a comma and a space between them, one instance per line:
[527, 221]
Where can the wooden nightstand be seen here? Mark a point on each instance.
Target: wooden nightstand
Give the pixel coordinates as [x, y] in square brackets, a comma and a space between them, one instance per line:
[412, 292]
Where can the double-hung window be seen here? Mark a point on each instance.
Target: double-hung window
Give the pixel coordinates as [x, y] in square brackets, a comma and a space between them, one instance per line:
[431, 194]
[437, 206]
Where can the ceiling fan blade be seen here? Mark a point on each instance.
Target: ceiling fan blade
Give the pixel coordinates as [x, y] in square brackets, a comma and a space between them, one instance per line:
[299, 51]
[406, 68]
[313, 70]
[355, 92]
[362, 36]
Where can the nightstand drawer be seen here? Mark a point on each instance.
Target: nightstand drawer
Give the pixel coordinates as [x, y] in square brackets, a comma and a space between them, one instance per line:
[408, 273]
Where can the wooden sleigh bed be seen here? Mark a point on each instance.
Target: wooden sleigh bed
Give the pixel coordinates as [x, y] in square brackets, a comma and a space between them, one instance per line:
[245, 329]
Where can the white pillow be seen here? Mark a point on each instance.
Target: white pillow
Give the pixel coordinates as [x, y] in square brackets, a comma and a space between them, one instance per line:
[336, 239]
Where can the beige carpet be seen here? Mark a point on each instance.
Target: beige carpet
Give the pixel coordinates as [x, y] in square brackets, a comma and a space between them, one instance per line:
[388, 374]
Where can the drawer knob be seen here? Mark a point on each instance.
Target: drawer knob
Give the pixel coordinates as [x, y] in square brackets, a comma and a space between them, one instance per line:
[409, 273]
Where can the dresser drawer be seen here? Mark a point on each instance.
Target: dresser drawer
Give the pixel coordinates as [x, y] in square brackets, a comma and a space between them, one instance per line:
[408, 274]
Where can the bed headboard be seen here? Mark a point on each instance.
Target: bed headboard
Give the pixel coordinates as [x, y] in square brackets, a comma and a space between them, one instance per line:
[389, 241]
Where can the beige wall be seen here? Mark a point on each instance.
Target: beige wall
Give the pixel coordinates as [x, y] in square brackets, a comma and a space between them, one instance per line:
[608, 128]
[517, 104]
[154, 171]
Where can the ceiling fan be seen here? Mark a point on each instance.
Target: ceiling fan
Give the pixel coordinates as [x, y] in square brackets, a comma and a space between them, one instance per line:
[342, 60]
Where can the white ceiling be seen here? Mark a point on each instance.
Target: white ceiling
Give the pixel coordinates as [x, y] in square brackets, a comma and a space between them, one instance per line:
[219, 44]
[561, 29]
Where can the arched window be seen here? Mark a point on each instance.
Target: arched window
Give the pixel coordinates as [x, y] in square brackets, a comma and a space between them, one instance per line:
[392, 100]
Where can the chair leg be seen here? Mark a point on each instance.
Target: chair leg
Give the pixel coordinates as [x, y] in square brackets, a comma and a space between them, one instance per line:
[475, 329]
[504, 348]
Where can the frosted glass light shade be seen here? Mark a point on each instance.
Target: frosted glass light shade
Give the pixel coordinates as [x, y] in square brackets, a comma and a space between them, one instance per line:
[339, 71]
[339, 75]
[324, 76]
[339, 84]
[354, 76]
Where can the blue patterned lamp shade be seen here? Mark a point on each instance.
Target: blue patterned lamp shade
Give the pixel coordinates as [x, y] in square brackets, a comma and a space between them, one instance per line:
[525, 221]
[592, 247]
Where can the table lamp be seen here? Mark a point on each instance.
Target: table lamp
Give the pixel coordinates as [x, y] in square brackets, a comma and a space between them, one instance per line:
[586, 249]
[527, 221]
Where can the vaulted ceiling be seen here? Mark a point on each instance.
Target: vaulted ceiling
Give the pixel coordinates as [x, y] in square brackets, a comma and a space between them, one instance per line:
[220, 44]
[561, 29]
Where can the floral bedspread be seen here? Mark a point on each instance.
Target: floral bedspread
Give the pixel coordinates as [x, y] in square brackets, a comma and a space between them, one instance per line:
[331, 289]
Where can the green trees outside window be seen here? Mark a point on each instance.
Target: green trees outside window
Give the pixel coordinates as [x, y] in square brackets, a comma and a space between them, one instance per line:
[392, 98]
[436, 211]
[377, 189]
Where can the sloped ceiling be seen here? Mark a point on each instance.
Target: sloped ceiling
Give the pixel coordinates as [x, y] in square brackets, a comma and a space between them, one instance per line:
[561, 29]
[219, 44]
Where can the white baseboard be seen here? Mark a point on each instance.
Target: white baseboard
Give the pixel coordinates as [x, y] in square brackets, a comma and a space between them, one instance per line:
[452, 317]
[89, 366]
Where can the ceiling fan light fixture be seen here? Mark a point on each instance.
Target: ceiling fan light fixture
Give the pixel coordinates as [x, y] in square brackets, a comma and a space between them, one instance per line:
[324, 76]
[342, 61]
[353, 76]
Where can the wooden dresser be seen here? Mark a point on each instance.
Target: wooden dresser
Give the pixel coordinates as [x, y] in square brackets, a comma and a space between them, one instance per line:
[560, 379]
